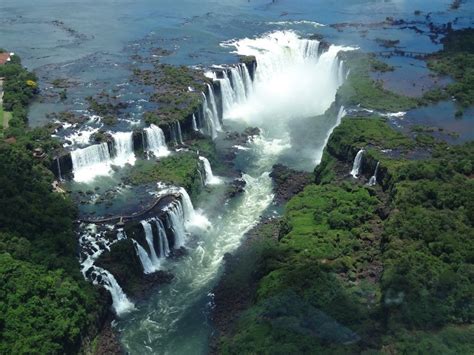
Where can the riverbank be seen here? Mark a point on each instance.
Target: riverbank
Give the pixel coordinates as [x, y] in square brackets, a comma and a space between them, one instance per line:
[353, 266]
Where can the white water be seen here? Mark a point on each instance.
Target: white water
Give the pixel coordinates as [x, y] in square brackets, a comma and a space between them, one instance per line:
[149, 240]
[123, 146]
[120, 301]
[156, 142]
[210, 178]
[164, 245]
[195, 127]
[148, 267]
[357, 163]
[291, 80]
[373, 178]
[179, 133]
[291, 83]
[319, 154]
[91, 162]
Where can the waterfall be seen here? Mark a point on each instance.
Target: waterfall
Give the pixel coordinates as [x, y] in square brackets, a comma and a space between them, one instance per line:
[209, 118]
[164, 245]
[238, 85]
[156, 143]
[59, 169]
[340, 72]
[244, 72]
[340, 114]
[213, 107]
[123, 147]
[180, 134]
[357, 163]
[373, 178]
[210, 178]
[149, 240]
[176, 136]
[90, 162]
[148, 267]
[176, 216]
[227, 94]
[292, 79]
[120, 301]
[195, 127]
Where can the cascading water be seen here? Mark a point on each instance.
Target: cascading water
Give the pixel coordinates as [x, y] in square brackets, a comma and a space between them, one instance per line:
[93, 244]
[357, 163]
[176, 217]
[210, 178]
[58, 164]
[91, 162]
[373, 178]
[238, 85]
[120, 301]
[149, 240]
[227, 93]
[179, 133]
[163, 239]
[211, 116]
[123, 148]
[195, 126]
[148, 267]
[291, 81]
[156, 142]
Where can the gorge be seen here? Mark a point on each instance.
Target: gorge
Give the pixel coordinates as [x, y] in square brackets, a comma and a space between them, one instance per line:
[237, 178]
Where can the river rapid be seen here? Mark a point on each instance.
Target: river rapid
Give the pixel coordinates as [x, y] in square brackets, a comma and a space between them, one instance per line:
[91, 44]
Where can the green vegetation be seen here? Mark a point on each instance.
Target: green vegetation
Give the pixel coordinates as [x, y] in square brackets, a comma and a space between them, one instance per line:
[171, 92]
[457, 60]
[359, 88]
[360, 269]
[181, 169]
[47, 306]
[43, 312]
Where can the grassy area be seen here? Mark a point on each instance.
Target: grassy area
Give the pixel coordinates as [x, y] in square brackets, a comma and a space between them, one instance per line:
[357, 269]
[359, 88]
[181, 169]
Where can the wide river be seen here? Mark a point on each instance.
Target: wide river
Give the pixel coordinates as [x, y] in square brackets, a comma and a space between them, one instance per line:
[91, 44]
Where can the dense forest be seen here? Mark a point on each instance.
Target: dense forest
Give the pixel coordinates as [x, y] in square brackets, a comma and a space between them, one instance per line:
[47, 306]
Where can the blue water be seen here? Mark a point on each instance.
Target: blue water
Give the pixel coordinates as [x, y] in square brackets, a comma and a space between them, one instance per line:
[93, 49]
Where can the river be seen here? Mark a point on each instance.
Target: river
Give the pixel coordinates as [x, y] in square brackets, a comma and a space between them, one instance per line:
[91, 44]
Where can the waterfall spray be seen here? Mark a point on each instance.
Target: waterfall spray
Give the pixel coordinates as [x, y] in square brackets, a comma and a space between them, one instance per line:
[123, 148]
[148, 267]
[156, 143]
[210, 178]
[357, 164]
[90, 162]
[373, 178]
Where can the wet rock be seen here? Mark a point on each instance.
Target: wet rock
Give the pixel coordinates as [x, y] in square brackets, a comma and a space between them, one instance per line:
[236, 187]
[288, 182]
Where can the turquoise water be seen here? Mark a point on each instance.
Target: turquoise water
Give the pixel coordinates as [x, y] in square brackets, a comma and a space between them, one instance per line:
[92, 45]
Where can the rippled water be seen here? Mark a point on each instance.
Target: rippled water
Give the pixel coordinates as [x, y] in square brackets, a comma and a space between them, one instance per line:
[91, 43]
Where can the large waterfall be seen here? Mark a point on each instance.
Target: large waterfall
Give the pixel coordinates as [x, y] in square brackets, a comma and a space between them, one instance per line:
[292, 79]
[292, 83]
[90, 162]
[123, 148]
[357, 164]
[156, 142]
[210, 178]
